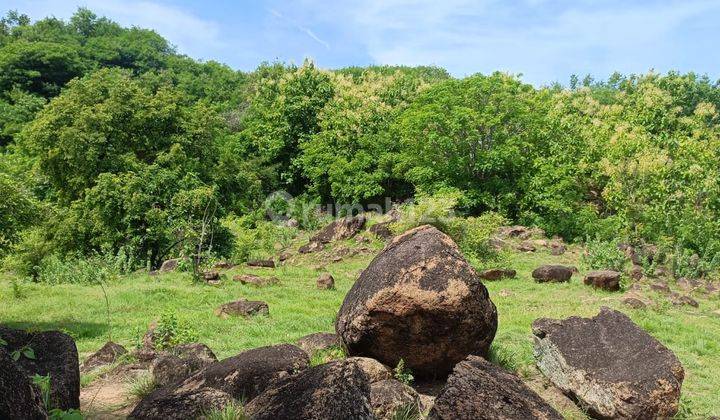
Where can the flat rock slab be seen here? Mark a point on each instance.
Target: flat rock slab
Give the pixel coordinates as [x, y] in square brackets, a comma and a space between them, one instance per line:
[609, 365]
[497, 274]
[552, 274]
[242, 307]
[420, 301]
[477, 389]
[255, 280]
[261, 263]
[603, 279]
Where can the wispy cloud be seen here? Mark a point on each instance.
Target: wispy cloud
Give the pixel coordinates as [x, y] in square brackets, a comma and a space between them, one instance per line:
[307, 31]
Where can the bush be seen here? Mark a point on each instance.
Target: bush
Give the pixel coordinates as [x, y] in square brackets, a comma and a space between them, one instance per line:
[93, 270]
[171, 332]
[256, 239]
[601, 255]
[437, 210]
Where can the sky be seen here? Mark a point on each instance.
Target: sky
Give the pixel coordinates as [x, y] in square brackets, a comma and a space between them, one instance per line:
[545, 41]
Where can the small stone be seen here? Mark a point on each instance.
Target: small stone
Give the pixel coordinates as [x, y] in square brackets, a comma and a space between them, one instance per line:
[374, 370]
[660, 287]
[312, 343]
[389, 396]
[633, 302]
[526, 246]
[557, 248]
[326, 281]
[255, 280]
[210, 276]
[107, 355]
[637, 272]
[245, 308]
[223, 265]
[169, 265]
[603, 279]
[284, 256]
[681, 300]
[497, 274]
[261, 263]
[311, 247]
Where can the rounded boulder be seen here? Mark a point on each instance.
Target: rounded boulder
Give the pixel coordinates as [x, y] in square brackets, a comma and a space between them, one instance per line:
[420, 301]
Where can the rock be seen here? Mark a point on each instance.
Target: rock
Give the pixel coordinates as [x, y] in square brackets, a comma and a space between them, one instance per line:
[637, 272]
[634, 302]
[609, 365]
[107, 355]
[381, 230]
[334, 390]
[374, 370]
[181, 362]
[661, 271]
[211, 276]
[515, 232]
[660, 287]
[344, 228]
[477, 389]
[223, 265]
[362, 239]
[681, 300]
[497, 274]
[526, 246]
[242, 307]
[418, 300]
[325, 281]
[712, 289]
[255, 280]
[19, 399]
[284, 256]
[557, 248]
[389, 396]
[170, 265]
[55, 355]
[311, 247]
[241, 377]
[336, 259]
[603, 279]
[317, 342]
[552, 273]
[261, 263]
[292, 223]
[497, 244]
[689, 285]
[191, 404]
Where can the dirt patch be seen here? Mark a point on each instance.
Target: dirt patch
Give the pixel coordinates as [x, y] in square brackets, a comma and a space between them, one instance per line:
[109, 397]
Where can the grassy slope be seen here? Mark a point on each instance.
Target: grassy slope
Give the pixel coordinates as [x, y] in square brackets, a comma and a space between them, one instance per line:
[298, 308]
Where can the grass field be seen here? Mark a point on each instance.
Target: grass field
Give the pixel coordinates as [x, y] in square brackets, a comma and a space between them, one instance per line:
[298, 308]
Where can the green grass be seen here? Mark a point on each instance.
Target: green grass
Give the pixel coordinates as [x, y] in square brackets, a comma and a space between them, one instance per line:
[298, 308]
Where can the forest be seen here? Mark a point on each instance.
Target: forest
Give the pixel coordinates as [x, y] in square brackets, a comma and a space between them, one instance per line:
[118, 154]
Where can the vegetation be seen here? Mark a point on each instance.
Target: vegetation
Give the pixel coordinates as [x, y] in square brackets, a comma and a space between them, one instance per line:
[117, 153]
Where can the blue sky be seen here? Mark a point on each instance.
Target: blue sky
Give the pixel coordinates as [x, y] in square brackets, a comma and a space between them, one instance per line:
[546, 41]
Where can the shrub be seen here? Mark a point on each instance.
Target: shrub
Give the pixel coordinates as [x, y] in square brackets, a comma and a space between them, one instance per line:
[171, 332]
[229, 412]
[437, 210]
[403, 373]
[56, 270]
[142, 386]
[256, 239]
[601, 255]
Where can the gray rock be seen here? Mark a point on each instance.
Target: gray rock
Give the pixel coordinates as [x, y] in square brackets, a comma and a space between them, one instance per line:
[610, 365]
[374, 370]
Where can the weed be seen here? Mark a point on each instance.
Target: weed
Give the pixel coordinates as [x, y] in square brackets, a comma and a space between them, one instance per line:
[320, 357]
[142, 386]
[602, 255]
[171, 332]
[407, 412]
[403, 373]
[233, 411]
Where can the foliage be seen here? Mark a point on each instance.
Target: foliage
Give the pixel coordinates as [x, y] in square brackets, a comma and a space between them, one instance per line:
[43, 384]
[403, 373]
[256, 238]
[437, 209]
[323, 356]
[600, 255]
[18, 210]
[409, 411]
[229, 412]
[171, 331]
[142, 386]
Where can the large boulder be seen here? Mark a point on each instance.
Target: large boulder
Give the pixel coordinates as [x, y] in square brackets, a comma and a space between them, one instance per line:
[391, 396]
[344, 228]
[190, 404]
[603, 279]
[477, 389]
[610, 365]
[420, 301]
[107, 355]
[552, 274]
[19, 399]
[374, 370]
[242, 377]
[312, 343]
[55, 355]
[335, 390]
[180, 362]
